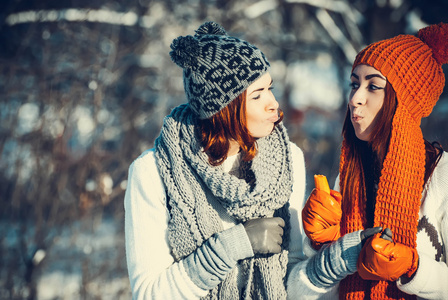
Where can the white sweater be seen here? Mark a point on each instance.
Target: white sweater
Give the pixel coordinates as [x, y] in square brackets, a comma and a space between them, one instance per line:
[153, 273]
[431, 279]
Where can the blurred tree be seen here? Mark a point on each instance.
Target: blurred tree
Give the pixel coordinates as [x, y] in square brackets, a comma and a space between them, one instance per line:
[86, 85]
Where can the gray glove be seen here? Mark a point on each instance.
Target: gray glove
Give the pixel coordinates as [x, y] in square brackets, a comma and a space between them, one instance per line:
[265, 234]
[387, 234]
[366, 233]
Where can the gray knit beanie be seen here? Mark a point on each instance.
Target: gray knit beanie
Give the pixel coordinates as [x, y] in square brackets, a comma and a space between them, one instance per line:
[217, 68]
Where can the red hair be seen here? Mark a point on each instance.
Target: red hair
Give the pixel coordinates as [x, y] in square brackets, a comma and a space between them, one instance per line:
[230, 123]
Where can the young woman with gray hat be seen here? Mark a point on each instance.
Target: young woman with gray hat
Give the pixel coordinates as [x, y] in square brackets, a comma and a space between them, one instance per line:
[212, 210]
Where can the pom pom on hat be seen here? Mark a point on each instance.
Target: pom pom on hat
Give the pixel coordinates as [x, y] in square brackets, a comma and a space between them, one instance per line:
[184, 51]
[210, 28]
[436, 37]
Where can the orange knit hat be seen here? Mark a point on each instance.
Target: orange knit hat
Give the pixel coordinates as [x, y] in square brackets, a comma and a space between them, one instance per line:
[413, 66]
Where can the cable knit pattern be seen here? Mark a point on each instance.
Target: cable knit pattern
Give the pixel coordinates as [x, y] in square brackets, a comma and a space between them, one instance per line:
[263, 189]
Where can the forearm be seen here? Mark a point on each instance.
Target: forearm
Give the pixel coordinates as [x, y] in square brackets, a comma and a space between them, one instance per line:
[210, 263]
[300, 287]
[318, 276]
[430, 280]
[335, 261]
[195, 275]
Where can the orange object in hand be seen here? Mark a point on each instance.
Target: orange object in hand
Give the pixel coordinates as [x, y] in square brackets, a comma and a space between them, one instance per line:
[381, 259]
[322, 213]
[321, 183]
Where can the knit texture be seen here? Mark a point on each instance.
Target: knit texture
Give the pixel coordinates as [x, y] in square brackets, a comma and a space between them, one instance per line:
[217, 68]
[334, 261]
[262, 189]
[414, 70]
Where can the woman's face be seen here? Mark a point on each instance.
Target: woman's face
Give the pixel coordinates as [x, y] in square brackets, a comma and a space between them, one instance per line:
[261, 107]
[366, 99]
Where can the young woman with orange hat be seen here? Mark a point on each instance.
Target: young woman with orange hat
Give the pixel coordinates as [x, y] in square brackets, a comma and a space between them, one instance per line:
[390, 180]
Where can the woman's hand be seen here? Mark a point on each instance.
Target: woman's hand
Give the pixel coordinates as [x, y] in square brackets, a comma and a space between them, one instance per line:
[265, 234]
[321, 217]
[382, 259]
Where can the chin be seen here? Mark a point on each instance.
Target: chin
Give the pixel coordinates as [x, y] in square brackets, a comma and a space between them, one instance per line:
[362, 137]
[262, 134]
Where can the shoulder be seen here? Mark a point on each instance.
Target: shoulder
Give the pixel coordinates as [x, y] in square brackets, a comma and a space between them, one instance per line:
[442, 166]
[436, 191]
[144, 181]
[144, 170]
[433, 216]
[439, 178]
[296, 152]
[146, 162]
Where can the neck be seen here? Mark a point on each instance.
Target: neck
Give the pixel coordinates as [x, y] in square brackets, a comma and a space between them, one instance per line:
[234, 148]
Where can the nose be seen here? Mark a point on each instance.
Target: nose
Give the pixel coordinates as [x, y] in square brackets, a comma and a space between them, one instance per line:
[357, 98]
[272, 104]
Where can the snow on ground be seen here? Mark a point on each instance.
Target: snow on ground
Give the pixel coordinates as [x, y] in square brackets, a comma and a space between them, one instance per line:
[86, 260]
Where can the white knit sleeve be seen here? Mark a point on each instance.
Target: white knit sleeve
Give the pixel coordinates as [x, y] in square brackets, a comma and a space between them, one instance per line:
[431, 278]
[318, 276]
[152, 271]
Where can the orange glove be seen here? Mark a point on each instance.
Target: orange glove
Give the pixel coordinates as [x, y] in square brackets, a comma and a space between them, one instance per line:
[381, 259]
[322, 214]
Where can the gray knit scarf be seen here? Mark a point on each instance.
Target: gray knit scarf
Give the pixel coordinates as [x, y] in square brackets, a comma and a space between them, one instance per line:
[263, 189]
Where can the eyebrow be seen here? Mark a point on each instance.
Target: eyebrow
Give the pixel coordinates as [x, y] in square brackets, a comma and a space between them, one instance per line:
[260, 89]
[369, 76]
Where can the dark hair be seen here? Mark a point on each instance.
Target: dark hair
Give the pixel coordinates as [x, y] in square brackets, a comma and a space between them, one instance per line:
[379, 143]
[229, 124]
[434, 152]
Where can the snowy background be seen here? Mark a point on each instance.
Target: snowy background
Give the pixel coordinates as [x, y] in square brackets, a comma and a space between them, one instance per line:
[86, 84]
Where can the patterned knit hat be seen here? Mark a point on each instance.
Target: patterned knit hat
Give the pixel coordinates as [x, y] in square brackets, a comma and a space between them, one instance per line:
[413, 66]
[217, 67]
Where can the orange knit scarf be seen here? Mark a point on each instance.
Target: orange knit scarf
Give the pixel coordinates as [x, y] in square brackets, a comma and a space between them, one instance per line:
[397, 201]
